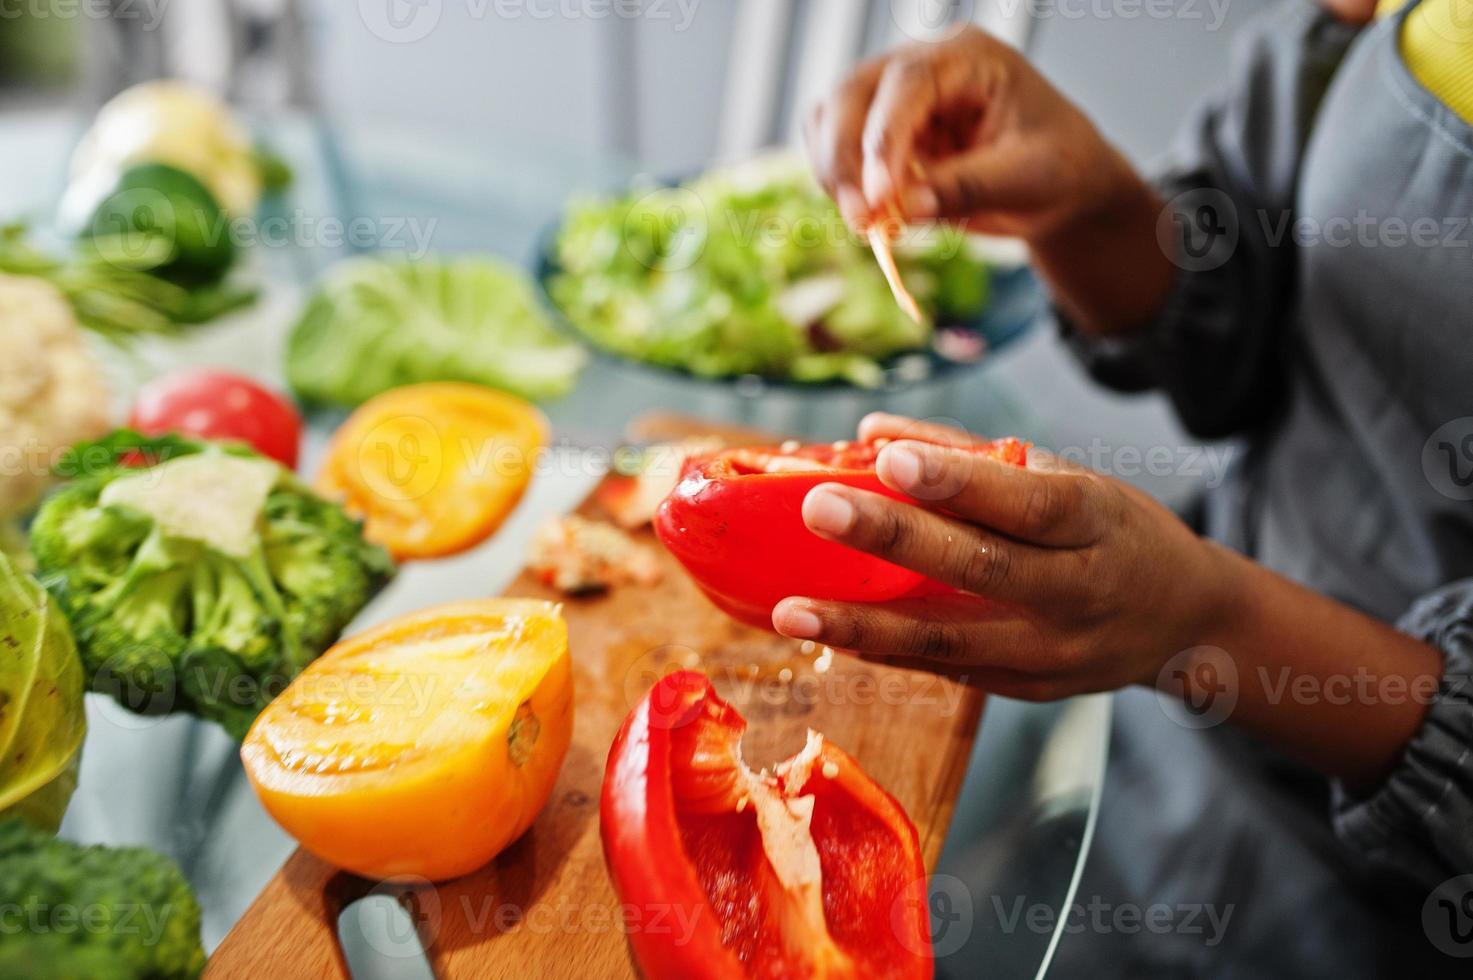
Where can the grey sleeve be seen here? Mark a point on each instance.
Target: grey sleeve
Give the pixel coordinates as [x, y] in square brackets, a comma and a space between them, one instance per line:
[1216, 349]
[1421, 819]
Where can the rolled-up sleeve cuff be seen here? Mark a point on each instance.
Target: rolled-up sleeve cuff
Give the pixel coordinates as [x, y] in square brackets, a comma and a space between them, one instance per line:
[1148, 356]
[1197, 348]
[1421, 819]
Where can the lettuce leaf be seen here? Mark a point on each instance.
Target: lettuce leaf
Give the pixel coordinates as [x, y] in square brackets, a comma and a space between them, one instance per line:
[373, 325]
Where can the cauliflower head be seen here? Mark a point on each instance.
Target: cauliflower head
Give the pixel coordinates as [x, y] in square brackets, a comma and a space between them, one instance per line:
[53, 391]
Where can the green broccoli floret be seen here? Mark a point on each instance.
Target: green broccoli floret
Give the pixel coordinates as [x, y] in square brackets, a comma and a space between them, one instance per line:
[190, 591]
[93, 913]
[310, 544]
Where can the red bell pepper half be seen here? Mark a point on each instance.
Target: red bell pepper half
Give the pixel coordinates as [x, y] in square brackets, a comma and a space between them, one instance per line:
[724, 873]
[735, 521]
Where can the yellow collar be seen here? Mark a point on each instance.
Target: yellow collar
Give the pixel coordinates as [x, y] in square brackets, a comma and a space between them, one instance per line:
[1437, 46]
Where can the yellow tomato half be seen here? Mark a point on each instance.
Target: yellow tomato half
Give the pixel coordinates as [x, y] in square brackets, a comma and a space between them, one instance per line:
[433, 469]
[423, 747]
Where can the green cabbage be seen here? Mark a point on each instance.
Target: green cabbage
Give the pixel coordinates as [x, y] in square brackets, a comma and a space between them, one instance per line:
[373, 325]
[42, 721]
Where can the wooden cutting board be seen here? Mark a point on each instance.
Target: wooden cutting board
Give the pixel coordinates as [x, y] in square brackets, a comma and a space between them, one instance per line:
[545, 908]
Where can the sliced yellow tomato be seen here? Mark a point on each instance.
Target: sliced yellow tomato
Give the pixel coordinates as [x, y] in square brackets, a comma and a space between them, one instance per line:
[421, 748]
[433, 469]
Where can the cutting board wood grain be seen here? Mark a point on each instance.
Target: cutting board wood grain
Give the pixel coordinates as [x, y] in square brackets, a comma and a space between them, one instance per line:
[545, 907]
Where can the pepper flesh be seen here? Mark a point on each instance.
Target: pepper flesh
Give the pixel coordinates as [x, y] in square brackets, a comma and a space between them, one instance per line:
[735, 521]
[809, 871]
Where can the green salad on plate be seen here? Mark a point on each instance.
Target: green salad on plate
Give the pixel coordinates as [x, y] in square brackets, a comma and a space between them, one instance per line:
[750, 270]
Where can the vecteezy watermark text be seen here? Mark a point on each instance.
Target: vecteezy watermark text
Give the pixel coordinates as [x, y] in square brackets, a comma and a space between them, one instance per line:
[1200, 229]
[1201, 687]
[35, 918]
[1099, 917]
[1209, 464]
[407, 21]
[1212, 12]
[942, 20]
[139, 217]
[149, 12]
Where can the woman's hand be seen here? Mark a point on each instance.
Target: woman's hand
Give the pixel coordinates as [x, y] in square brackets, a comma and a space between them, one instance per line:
[965, 130]
[1072, 581]
[968, 131]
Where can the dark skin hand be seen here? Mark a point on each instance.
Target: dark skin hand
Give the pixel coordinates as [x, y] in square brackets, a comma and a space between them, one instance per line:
[1061, 552]
[969, 132]
[1073, 582]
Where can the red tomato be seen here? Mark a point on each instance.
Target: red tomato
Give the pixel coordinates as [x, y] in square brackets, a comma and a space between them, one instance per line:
[220, 405]
[735, 521]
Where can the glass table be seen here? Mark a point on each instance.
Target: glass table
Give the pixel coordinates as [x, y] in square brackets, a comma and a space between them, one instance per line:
[1023, 824]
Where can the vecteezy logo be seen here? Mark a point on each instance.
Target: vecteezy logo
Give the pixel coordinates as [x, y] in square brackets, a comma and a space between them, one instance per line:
[1463, 451]
[1198, 230]
[400, 919]
[1198, 688]
[1447, 916]
[647, 670]
[667, 228]
[1451, 21]
[136, 225]
[947, 903]
[1447, 459]
[932, 20]
[408, 453]
[143, 686]
[401, 458]
[400, 21]
[950, 902]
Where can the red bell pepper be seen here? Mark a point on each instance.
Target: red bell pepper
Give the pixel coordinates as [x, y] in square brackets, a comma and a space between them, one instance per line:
[735, 521]
[812, 870]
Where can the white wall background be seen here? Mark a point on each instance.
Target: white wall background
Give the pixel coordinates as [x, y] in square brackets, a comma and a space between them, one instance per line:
[552, 77]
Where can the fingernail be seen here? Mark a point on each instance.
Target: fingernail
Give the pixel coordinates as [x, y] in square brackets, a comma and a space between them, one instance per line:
[795, 620]
[879, 187]
[870, 422]
[827, 512]
[853, 209]
[921, 203]
[902, 464]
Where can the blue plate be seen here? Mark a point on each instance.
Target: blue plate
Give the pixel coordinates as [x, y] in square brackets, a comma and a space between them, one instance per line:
[1016, 301]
